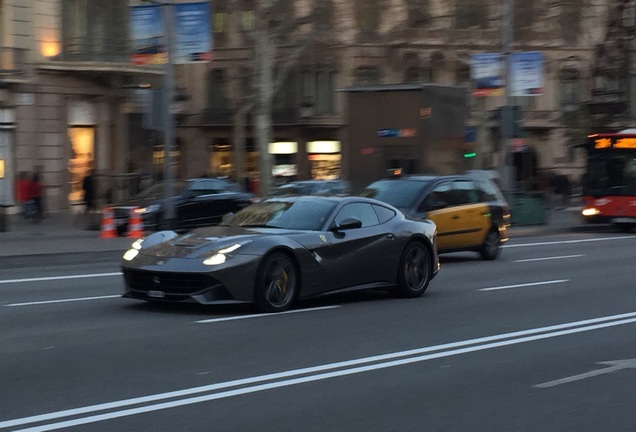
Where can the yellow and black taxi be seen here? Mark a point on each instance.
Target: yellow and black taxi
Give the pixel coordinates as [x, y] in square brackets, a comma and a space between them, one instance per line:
[470, 212]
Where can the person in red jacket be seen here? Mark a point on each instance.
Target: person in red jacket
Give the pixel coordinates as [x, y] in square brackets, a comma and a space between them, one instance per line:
[22, 191]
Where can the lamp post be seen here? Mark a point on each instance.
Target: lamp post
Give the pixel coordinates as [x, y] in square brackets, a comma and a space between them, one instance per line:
[505, 165]
[168, 120]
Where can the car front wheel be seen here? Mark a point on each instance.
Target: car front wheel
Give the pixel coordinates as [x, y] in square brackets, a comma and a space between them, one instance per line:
[414, 271]
[276, 284]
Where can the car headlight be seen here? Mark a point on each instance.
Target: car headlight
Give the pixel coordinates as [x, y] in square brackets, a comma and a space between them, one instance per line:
[150, 209]
[221, 256]
[131, 254]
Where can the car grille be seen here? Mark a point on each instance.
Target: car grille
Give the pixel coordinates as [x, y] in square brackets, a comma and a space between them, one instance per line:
[168, 282]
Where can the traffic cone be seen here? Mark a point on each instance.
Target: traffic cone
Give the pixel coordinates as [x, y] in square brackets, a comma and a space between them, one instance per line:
[108, 229]
[135, 224]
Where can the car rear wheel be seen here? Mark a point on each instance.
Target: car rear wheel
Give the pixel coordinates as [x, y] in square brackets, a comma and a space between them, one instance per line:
[277, 284]
[414, 271]
[490, 248]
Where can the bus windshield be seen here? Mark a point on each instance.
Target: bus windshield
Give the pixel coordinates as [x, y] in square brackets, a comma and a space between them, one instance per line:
[610, 173]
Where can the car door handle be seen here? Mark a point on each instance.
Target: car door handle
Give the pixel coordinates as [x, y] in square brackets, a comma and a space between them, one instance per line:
[455, 217]
[390, 236]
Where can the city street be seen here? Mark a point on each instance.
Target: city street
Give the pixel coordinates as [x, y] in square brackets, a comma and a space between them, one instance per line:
[540, 340]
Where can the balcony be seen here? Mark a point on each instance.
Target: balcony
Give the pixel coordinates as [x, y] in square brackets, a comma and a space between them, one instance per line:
[13, 63]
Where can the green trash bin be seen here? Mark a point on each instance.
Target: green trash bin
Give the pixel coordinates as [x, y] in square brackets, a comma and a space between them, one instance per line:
[528, 208]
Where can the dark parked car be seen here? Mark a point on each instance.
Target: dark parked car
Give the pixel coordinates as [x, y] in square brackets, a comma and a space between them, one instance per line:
[313, 187]
[470, 212]
[283, 249]
[197, 202]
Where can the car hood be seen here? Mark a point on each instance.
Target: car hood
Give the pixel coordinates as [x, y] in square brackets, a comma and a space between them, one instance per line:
[204, 241]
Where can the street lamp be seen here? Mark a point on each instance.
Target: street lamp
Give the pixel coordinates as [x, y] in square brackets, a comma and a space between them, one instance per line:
[505, 168]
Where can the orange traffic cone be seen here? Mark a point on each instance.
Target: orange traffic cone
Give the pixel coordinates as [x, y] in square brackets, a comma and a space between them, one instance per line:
[135, 224]
[108, 229]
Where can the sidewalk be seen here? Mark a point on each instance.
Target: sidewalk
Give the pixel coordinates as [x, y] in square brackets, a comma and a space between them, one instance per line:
[58, 232]
[62, 232]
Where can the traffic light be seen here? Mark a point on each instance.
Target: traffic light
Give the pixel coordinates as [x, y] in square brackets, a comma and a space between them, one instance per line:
[470, 150]
[470, 142]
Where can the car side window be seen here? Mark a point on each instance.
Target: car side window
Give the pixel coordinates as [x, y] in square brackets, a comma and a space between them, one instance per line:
[464, 192]
[384, 214]
[437, 199]
[207, 187]
[362, 211]
[487, 191]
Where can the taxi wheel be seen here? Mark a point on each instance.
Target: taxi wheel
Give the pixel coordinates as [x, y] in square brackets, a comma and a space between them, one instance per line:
[490, 248]
[277, 284]
[414, 271]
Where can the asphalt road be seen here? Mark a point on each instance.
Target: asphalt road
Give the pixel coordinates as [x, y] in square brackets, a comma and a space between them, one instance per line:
[530, 342]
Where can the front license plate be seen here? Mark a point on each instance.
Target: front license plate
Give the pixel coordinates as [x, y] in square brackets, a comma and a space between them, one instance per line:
[156, 294]
[624, 220]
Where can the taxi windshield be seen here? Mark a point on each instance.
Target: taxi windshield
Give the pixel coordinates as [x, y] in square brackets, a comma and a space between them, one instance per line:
[398, 193]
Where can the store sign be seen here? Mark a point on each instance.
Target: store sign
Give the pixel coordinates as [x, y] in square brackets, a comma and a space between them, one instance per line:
[396, 133]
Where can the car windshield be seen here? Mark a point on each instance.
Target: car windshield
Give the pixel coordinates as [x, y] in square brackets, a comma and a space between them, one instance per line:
[398, 193]
[294, 189]
[297, 215]
[157, 190]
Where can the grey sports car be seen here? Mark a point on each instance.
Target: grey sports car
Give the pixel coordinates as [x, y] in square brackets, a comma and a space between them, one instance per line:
[279, 250]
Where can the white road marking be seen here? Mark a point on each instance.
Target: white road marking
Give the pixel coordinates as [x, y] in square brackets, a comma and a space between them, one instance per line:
[614, 366]
[550, 243]
[232, 318]
[62, 301]
[321, 372]
[525, 285]
[51, 278]
[547, 258]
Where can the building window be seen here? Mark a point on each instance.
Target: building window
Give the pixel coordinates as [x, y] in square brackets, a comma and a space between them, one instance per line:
[217, 87]
[570, 21]
[419, 14]
[367, 15]
[319, 91]
[95, 31]
[248, 19]
[570, 86]
[367, 75]
[462, 75]
[418, 74]
[525, 15]
[471, 14]
[219, 21]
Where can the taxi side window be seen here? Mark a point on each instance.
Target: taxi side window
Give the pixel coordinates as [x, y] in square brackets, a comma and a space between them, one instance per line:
[487, 191]
[438, 198]
[362, 211]
[464, 192]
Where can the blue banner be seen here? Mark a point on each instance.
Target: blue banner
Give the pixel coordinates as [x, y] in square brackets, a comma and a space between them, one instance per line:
[193, 34]
[487, 74]
[526, 74]
[146, 33]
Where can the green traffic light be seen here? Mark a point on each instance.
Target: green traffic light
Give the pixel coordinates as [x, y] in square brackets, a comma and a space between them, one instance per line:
[470, 155]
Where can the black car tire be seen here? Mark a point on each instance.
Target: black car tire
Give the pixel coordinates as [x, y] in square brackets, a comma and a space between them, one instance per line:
[490, 248]
[276, 284]
[414, 270]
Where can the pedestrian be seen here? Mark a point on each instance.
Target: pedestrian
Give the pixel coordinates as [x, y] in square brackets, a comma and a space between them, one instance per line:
[22, 192]
[88, 186]
[35, 194]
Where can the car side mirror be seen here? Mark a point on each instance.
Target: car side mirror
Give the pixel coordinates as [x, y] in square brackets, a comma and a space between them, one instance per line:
[349, 223]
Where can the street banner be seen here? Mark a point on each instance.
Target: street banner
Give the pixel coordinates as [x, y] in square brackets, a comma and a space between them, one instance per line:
[193, 34]
[487, 74]
[146, 32]
[526, 74]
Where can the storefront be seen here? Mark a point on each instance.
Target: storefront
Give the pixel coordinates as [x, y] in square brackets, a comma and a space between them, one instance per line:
[7, 124]
[324, 159]
[284, 165]
[81, 134]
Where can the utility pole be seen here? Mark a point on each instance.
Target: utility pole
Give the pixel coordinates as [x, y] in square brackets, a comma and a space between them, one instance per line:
[168, 120]
[505, 162]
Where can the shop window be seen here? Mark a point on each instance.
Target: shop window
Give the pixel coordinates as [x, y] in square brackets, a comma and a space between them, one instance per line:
[471, 14]
[83, 144]
[367, 75]
[367, 15]
[419, 13]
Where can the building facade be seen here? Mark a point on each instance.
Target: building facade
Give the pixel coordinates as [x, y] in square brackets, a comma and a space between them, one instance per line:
[70, 98]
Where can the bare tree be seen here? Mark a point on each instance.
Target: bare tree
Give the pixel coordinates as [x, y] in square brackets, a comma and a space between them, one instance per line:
[273, 59]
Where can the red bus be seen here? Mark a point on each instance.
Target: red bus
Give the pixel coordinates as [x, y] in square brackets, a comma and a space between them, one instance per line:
[609, 183]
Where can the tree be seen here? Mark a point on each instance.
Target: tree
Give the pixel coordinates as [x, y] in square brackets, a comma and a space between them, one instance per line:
[273, 59]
